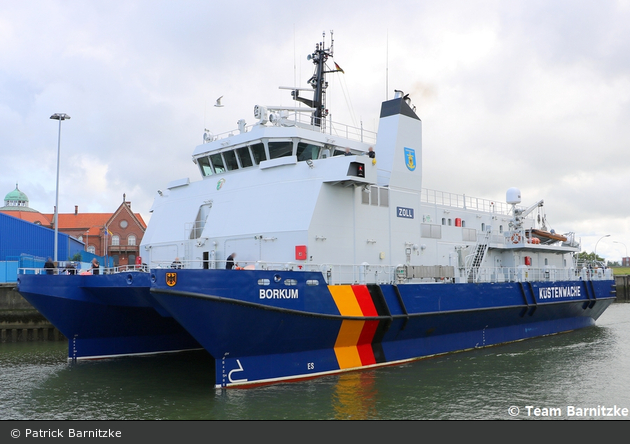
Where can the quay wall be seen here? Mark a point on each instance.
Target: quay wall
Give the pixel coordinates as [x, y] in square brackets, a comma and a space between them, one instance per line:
[623, 288]
[20, 321]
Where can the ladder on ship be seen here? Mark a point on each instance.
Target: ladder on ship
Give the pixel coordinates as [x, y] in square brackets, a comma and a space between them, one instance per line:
[475, 260]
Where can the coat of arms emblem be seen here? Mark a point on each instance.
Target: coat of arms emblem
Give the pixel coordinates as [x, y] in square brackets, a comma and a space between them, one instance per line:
[410, 159]
[171, 279]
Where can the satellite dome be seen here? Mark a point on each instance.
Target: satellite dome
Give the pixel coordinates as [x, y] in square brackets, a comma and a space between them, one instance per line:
[513, 196]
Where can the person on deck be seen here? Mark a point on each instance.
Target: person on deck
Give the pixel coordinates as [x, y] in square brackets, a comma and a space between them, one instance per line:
[229, 263]
[95, 266]
[49, 266]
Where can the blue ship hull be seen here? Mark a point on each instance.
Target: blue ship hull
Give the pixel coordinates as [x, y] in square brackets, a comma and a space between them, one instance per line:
[106, 315]
[269, 326]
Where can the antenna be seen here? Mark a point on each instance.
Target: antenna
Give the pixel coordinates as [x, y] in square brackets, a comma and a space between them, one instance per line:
[332, 42]
[387, 66]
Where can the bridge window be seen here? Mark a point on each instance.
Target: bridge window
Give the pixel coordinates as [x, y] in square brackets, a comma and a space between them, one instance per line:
[204, 166]
[217, 162]
[244, 157]
[280, 149]
[230, 160]
[258, 151]
[306, 151]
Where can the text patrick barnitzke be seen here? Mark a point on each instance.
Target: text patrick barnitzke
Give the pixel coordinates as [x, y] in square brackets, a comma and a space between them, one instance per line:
[70, 433]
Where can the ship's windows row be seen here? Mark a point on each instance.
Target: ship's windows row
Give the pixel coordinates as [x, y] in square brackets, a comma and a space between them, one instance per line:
[241, 157]
[458, 222]
[462, 223]
[288, 282]
[252, 154]
[377, 196]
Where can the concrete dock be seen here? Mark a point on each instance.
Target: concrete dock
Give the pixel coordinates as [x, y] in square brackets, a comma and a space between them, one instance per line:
[623, 288]
[20, 322]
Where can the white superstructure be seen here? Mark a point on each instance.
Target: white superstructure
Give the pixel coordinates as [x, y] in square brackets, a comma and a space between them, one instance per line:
[281, 193]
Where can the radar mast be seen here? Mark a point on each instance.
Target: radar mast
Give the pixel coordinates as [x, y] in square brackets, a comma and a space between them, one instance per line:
[318, 82]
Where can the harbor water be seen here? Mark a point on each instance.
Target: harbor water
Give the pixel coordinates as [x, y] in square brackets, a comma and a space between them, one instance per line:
[578, 375]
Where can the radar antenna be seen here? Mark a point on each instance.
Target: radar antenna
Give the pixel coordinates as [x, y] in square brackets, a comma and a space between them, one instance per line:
[318, 82]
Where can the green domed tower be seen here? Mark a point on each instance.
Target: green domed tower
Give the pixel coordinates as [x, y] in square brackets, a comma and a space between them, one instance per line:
[16, 200]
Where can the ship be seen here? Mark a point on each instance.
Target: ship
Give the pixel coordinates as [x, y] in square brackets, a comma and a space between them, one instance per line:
[307, 248]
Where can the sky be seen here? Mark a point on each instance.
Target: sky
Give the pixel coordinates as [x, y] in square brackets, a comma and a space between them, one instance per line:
[529, 94]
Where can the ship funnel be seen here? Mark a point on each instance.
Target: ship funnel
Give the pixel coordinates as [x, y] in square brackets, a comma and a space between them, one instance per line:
[399, 144]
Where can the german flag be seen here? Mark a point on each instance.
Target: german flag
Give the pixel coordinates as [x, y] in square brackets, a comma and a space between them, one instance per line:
[358, 341]
[338, 68]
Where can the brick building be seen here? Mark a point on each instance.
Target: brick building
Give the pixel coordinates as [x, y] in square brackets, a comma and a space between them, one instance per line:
[117, 235]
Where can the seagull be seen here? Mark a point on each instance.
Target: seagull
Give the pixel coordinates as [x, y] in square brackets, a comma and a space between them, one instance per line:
[218, 101]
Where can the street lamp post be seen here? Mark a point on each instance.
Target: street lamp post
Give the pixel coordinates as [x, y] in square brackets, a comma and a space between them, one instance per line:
[606, 235]
[624, 245]
[60, 117]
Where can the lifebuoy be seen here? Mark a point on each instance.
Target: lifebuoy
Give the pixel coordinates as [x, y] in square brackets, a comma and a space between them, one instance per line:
[516, 238]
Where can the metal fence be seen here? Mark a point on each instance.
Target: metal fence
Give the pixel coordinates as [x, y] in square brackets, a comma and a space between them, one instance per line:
[337, 274]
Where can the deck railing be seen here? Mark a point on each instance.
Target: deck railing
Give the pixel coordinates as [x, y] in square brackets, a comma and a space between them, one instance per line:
[361, 274]
[465, 202]
[304, 121]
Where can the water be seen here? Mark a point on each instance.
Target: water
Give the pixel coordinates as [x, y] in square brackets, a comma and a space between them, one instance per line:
[583, 369]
